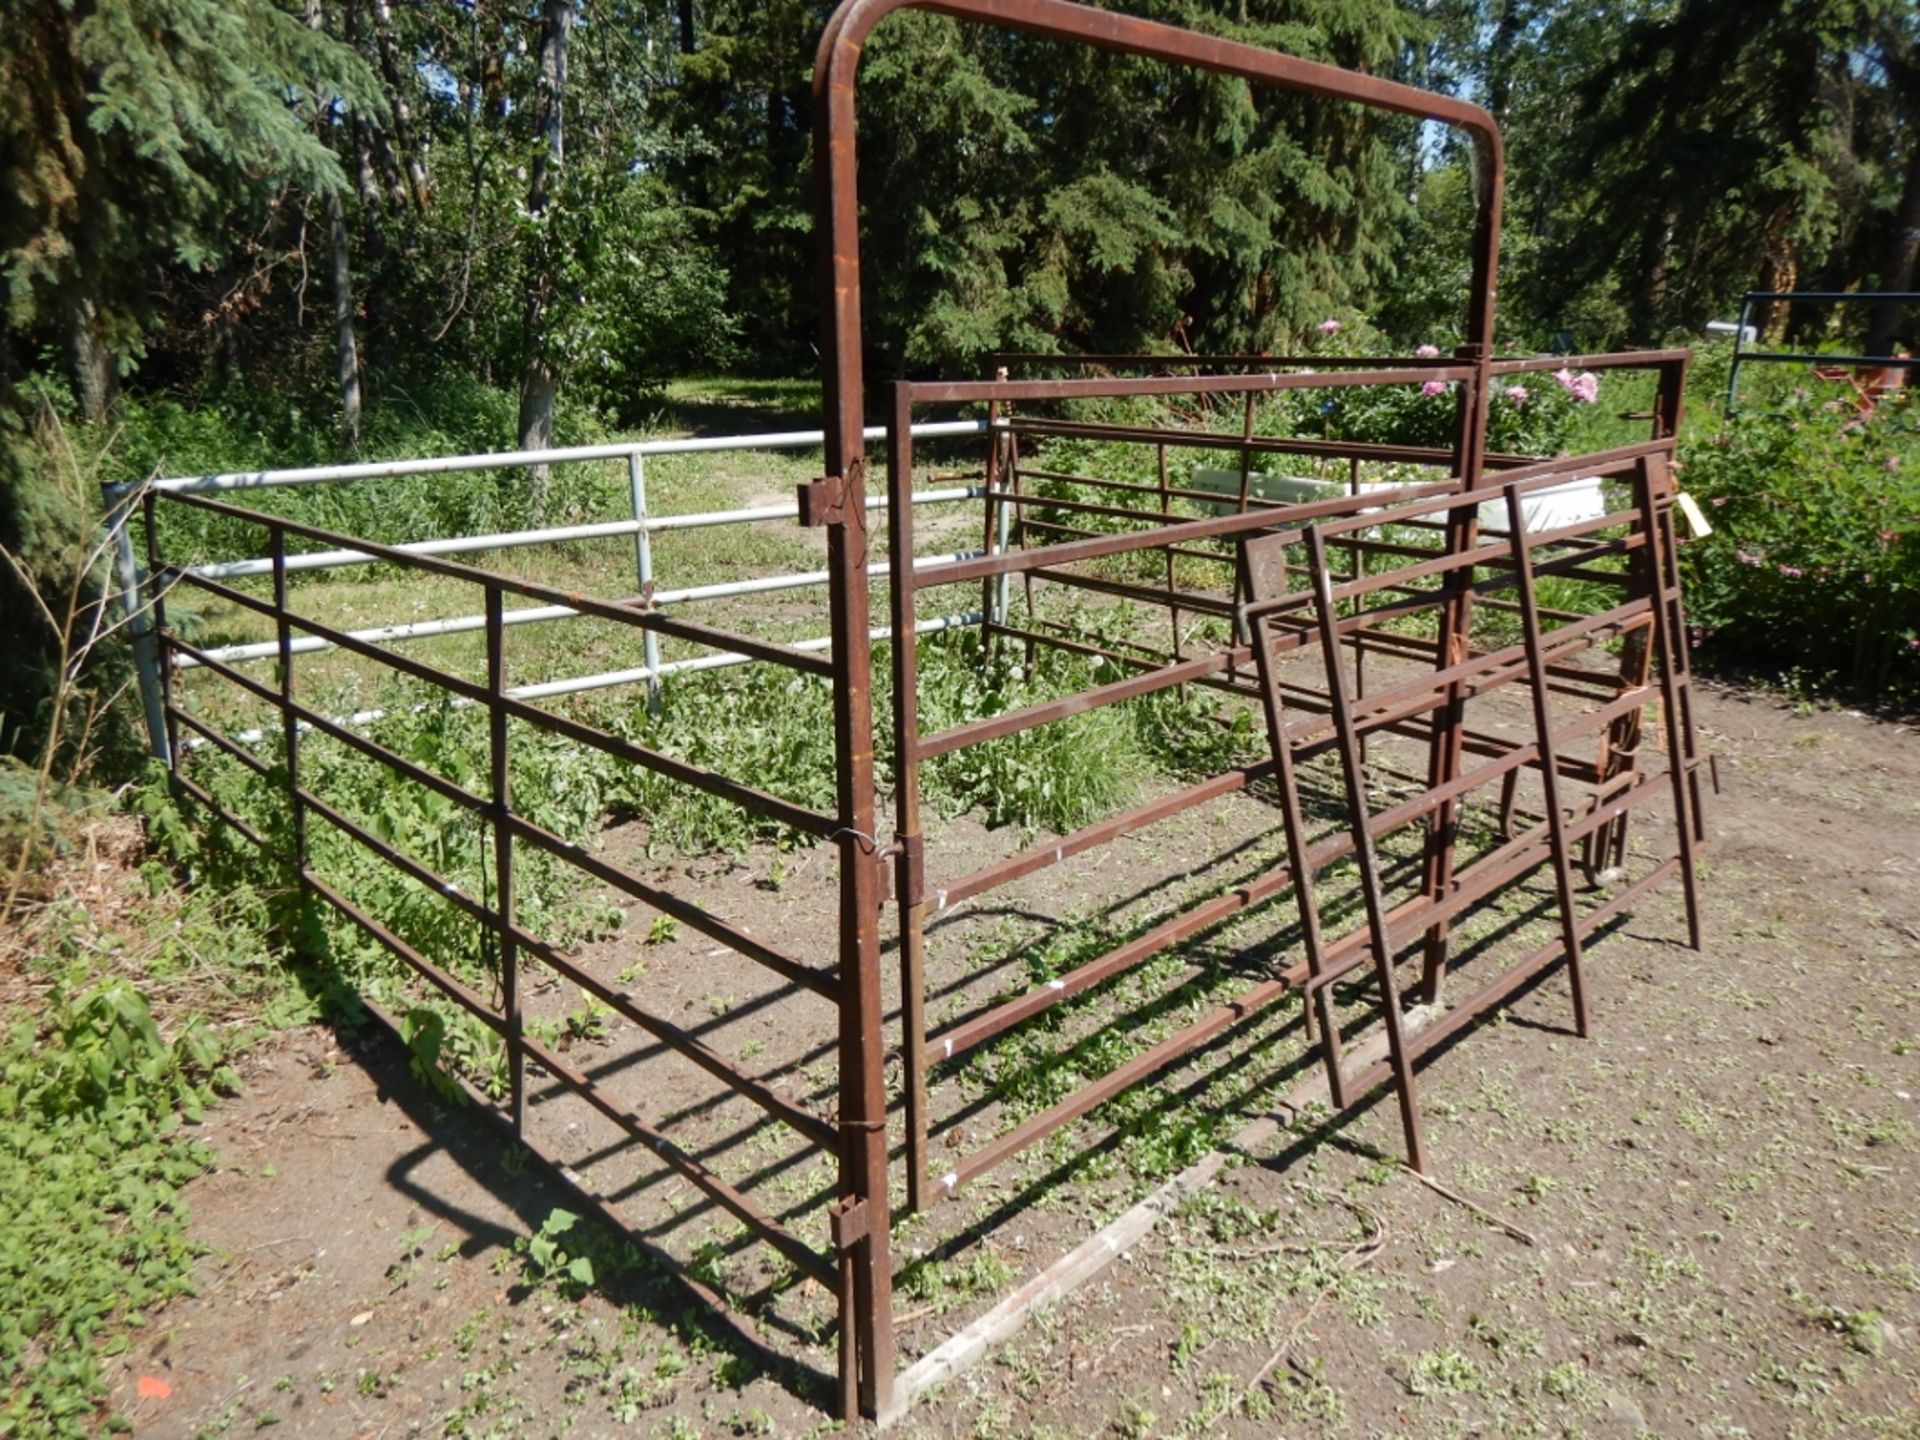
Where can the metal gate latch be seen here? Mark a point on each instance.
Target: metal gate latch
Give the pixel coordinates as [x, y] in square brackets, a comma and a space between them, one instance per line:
[824, 501]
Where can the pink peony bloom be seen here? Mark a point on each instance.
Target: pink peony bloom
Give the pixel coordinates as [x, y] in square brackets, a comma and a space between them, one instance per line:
[1792, 572]
[1427, 352]
[1434, 387]
[1331, 327]
[1584, 387]
[1516, 393]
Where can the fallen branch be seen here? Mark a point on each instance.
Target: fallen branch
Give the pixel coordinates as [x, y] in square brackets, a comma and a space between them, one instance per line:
[1465, 1204]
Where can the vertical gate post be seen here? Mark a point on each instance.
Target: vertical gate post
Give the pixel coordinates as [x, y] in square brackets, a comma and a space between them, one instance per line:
[146, 658]
[1455, 631]
[157, 634]
[289, 723]
[863, 1165]
[643, 568]
[909, 842]
[502, 798]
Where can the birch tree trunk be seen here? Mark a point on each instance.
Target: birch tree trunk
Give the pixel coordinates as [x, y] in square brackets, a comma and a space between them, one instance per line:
[346, 350]
[540, 380]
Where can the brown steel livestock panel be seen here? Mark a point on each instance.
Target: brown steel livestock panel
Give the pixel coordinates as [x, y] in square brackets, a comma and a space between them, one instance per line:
[507, 945]
[1371, 584]
[841, 494]
[1653, 602]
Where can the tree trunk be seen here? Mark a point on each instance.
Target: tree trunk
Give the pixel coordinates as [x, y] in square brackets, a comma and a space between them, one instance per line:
[346, 351]
[686, 27]
[95, 381]
[1500, 51]
[540, 380]
[340, 256]
[403, 131]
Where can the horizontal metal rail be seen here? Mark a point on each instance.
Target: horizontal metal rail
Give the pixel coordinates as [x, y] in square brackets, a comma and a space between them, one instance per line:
[578, 684]
[531, 615]
[1179, 438]
[643, 619]
[1014, 562]
[964, 392]
[1202, 362]
[364, 553]
[1618, 360]
[521, 459]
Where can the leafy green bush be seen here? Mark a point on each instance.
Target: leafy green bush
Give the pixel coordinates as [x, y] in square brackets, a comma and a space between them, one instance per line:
[1814, 564]
[248, 429]
[92, 1163]
[1529, 415]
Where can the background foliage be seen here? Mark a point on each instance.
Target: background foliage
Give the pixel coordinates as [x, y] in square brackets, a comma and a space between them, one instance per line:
[284, 230]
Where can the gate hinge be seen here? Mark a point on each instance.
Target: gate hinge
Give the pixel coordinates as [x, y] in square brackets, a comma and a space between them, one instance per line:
[824, 501]
[850, 1221]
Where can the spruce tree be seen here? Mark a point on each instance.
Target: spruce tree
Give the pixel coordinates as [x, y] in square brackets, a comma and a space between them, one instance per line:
[133, 132]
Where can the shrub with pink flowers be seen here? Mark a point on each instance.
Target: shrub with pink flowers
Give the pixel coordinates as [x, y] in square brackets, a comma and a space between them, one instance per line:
[1528, 415]
[1814, 564]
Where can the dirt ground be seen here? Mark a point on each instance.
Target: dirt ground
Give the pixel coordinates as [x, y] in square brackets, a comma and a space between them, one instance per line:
[1702, 1222]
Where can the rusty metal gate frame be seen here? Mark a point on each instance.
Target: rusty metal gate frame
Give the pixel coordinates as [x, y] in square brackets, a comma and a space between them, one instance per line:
[837, 501]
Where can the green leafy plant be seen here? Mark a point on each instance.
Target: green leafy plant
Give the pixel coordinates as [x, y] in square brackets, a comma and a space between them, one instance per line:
[93, 1160]
[549, 1258]
[1814, 562]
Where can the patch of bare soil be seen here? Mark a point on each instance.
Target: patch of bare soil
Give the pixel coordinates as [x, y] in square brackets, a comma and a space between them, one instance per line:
[1700, 1222]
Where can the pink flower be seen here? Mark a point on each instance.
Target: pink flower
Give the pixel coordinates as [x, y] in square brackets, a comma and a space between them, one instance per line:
[1434, 387]
[1584, 387]
[1331, 327]
[1792, 572]
[1886, 537]
[1747, 557]
[1719, 500]
[1913, 644]
[1516, 393]
[1893, 462]
[1427, 352]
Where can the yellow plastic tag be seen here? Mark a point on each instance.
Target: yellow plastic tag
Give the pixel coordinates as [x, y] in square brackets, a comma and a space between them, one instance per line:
[1696, 517]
